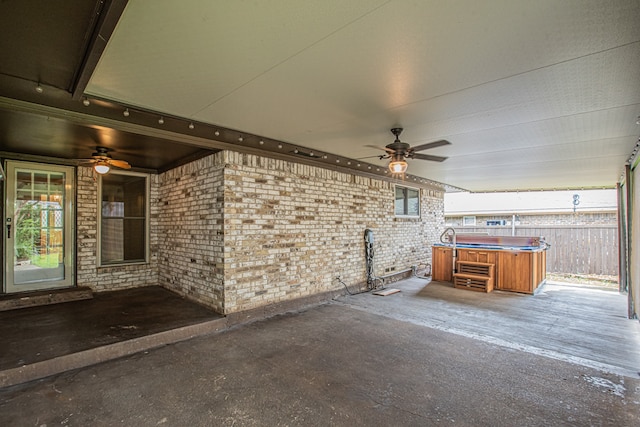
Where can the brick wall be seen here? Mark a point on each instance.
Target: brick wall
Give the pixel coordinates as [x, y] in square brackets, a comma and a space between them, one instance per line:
[107, 278]
[237, 232]
[290, 229]
[570, 218]
[189, 222]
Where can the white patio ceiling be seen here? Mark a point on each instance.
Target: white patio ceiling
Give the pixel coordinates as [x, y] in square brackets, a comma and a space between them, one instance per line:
[531, 94]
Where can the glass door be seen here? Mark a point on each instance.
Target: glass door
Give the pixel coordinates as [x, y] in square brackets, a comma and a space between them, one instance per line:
[38, 228]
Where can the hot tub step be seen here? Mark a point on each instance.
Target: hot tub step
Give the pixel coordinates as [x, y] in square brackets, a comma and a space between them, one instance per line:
[475, 276]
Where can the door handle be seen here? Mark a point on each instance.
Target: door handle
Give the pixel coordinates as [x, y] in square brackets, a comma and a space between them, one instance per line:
[8, 231]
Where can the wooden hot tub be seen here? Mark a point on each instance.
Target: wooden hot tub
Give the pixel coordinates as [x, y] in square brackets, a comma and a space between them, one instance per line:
[484, 263]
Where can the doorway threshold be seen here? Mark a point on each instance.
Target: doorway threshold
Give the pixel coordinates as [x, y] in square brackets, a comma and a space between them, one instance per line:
[46, 297]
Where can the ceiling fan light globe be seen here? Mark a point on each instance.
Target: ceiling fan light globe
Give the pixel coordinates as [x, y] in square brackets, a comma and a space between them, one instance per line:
[102, 168]
[399, 166]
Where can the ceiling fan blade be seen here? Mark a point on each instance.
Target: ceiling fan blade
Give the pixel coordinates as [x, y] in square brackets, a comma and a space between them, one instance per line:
[388, 150]
[120, 164]
[428, 157]
[430, 145]
[379, 156]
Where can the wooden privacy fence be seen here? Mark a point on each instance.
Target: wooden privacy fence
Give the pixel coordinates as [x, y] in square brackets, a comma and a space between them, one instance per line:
[584, 249]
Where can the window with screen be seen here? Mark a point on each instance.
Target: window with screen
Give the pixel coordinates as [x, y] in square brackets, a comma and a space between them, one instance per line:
[407, 201]
[469, 221]
[123, 218]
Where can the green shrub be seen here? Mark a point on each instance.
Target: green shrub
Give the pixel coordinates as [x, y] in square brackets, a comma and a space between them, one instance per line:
[27, 229]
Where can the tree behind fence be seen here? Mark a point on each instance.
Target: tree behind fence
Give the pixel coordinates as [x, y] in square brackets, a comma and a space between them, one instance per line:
[574, 249]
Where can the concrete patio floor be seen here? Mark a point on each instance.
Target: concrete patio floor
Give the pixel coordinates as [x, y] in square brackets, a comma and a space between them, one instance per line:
[49, 339]
[429, 355]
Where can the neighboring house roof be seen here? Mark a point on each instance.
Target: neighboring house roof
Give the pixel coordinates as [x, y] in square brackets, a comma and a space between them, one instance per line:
[540, 202]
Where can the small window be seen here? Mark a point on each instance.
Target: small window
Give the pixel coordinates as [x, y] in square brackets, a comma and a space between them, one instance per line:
[469, 221]
[123, 218]
[407, 201]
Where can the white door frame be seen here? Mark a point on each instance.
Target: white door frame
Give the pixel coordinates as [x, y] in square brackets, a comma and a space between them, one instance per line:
[62, 276]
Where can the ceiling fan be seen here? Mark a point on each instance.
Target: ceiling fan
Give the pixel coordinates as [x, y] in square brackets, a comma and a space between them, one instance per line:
[399, 151]
[103, 161]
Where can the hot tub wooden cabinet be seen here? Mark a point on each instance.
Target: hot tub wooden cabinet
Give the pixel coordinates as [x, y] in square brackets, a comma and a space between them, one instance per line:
[515, 270]
[521, 271]
[442, 256]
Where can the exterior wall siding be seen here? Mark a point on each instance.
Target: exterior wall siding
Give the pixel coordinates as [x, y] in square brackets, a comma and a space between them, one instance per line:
[291, 229]
[190, 209]
[88, 273]
[569, 218]
[237, 232]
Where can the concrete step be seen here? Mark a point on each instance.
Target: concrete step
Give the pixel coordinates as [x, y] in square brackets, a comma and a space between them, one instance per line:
[34, 299]
[42, 369]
